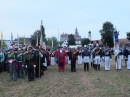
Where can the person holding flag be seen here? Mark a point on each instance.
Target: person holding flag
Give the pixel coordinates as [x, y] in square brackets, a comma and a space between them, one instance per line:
[117, 51]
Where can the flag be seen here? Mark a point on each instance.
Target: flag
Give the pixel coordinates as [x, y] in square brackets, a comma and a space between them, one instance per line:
[42, 36]
[11, 38]
[2, 42]
[30, 40]
[37, 38]
[24, 39]
[18, 40]
[115, 38]
[52, 43]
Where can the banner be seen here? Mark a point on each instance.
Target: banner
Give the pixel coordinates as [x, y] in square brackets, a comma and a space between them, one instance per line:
[116, 44]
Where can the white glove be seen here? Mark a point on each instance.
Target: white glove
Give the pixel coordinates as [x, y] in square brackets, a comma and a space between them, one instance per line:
[26, 66]
[22, 65]
[110, 59]
[40, 54]
[34, 66]
[10, 61]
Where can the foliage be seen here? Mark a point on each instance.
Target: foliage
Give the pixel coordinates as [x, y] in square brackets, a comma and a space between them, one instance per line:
[85, 41]
[128, 35]
[34, 37]
[106, 33]
[49, 42]
[71, 40]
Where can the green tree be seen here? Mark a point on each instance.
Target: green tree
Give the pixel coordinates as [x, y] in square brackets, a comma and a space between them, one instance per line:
[106, 33]
[128, 35]
[49, 42]
[85, 41]
[71, 40]
[34, 38]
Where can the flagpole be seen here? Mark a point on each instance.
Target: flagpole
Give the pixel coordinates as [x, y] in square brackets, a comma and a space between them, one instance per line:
[52, 42]
[37, 37]
[58, 38]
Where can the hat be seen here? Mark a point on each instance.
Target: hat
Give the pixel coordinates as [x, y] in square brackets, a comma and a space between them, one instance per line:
[11, 47]
[23, 48]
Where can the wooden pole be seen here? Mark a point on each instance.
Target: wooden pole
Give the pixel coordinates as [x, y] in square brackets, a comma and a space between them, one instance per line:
[39, 67]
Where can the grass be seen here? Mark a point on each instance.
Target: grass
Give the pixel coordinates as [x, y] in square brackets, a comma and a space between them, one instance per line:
[67, 84]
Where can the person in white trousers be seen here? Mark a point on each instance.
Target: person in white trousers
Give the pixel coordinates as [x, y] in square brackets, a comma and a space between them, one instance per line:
[52, 58]
[118, 60]
[128, 57]
[107, 58]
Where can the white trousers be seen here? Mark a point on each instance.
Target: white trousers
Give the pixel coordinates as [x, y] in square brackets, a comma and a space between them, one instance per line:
[68, 61]
[107, 63]
[118, 62]
[97, 60]
[52, 61]
[128, 62]
[86, 59]
[102, 62]
[80, 59]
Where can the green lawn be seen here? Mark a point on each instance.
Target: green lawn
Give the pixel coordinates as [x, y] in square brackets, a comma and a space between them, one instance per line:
[79, 84]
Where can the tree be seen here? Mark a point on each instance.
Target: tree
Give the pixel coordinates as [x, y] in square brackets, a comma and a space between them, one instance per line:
[85, 41]
[49, 42]
[34, 37]
[71, 40]
[128, 35]
[106, 33]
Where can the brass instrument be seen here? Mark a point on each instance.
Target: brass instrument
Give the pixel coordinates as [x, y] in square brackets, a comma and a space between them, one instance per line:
[28, 57]
[97, 52]
[93, 50]
[74, 54]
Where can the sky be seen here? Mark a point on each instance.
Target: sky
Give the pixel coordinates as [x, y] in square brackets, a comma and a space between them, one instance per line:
[23, 17]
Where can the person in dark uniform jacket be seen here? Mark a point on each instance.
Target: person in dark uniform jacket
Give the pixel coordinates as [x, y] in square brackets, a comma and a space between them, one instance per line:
[37, 59]
[73, 56]
[98, 55]
[86, 58]
[30, 62]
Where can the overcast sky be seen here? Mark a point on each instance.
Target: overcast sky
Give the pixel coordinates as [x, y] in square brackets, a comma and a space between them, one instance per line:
[24, 16]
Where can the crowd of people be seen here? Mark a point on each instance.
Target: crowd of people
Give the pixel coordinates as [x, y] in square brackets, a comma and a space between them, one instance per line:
[32, 62]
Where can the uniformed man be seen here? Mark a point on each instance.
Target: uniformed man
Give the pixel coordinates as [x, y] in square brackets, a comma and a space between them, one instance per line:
[73, 57]
[19, 61]
[52, 55]
[118, 59]
[107, 58]
[30, 64]
[43, 61]
[98, 55]
[80, 56]
[11, 59]
[86, 58]
[24, 52]
[127, 56]
[37, 73]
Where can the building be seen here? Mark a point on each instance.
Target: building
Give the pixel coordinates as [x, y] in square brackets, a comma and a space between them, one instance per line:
[122, 41]
[64, 38]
